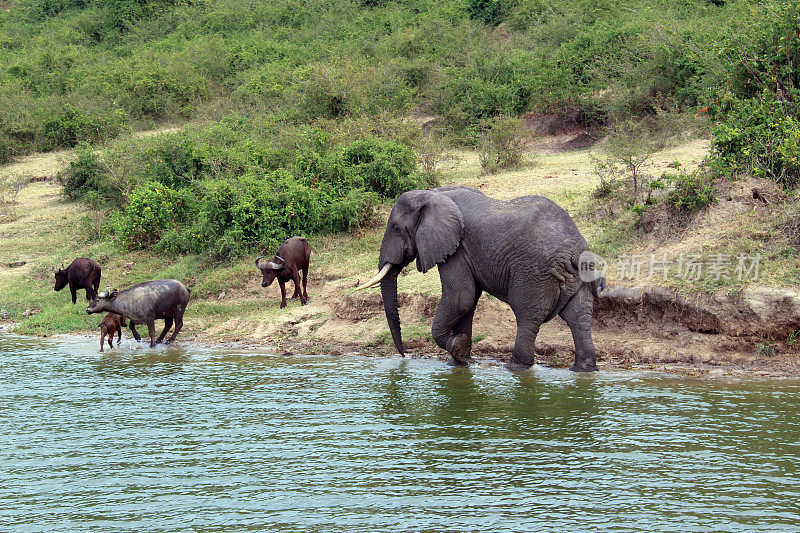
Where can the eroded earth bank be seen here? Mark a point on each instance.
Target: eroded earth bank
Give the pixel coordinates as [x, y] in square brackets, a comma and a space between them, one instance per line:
[731, 327]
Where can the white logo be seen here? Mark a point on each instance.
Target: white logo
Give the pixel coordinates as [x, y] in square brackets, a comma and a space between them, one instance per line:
[591, 266]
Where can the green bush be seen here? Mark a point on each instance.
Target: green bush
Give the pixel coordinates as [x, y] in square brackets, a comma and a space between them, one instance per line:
[488, 11]
[690, 191]
[67, 126]
[501, 143]
[8, 148]
[84, 175]
[385, 167]
[152, 210]
[211, 190]
[758, 136]
[758, 111]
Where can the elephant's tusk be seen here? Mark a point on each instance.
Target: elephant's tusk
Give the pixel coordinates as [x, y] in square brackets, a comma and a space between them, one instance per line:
[374, 281]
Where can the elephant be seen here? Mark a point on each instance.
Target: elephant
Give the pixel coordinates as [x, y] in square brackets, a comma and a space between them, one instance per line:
[526, 252]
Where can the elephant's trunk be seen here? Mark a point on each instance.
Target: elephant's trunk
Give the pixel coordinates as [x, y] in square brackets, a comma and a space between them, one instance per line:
[390, 305]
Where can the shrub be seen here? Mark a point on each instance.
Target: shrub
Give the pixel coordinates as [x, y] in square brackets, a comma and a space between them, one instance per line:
[758, 111]
[151, 211]
[84, 175]
[383, 166]
[68, 125]
[8, 148]
[758, 136]
[502, 142]
[488, 11]
[690, 192]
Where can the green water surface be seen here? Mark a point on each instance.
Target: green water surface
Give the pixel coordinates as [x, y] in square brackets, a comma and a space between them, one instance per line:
[189, 439]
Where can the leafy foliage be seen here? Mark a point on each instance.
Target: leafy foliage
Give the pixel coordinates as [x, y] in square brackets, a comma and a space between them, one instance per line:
[758, 111]
[501, 143]
[84, 70]
[690, 191]
[215, 191]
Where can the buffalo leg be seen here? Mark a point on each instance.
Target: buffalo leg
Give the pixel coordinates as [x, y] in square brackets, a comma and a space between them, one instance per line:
[305, 281]
[119, 334]
[134, 332]
[102, 338]
[74, 292]
[283, 292]
[296, 279]
[178, 325]
[111, 340]
[151, 328]
[167, 325]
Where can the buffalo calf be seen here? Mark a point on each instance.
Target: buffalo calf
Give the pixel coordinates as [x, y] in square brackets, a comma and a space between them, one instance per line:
[292, 257]
[112, 323]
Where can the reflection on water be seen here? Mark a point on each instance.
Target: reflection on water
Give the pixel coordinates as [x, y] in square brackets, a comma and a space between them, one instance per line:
[177, 439]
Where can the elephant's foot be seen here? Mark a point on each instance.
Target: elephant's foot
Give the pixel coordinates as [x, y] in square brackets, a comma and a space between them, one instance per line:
[584, 366]
[451, 361]
[460, 350]
[515, 365]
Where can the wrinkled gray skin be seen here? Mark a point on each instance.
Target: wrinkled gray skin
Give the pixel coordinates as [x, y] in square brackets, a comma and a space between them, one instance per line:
[162, 299]
[524, 252]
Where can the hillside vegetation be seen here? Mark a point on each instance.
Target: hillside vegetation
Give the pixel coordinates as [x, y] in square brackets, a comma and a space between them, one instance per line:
[303, 111]
[86, 70]
[310, 117]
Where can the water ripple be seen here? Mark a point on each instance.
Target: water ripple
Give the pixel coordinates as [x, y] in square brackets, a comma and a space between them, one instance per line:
[207, 440]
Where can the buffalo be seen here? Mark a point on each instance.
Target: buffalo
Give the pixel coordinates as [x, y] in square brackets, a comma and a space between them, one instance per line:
[162, 299]
[292, 257]
[111, 324]
[80, 274]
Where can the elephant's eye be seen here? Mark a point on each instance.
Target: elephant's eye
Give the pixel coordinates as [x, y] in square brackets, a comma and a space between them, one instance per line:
[397, 229]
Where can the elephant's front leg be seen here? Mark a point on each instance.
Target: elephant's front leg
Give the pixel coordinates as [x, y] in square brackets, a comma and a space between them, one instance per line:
[452, 325]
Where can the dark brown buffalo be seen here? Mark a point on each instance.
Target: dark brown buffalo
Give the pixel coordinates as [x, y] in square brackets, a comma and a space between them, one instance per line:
[80, 274]
[291, 258]
[112, 323]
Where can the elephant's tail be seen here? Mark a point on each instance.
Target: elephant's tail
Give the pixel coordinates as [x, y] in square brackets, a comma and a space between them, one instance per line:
[598, 286]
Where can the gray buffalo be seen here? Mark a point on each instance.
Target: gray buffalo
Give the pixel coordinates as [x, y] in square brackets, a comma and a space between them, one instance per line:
[162, 299]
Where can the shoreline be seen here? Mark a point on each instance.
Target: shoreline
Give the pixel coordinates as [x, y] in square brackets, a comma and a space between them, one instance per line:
[550, 354]
[739, 330]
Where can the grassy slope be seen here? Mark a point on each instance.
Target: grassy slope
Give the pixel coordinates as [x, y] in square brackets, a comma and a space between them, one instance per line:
[74, 75]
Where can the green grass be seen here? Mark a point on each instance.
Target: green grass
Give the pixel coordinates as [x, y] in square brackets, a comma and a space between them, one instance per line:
[87, 71]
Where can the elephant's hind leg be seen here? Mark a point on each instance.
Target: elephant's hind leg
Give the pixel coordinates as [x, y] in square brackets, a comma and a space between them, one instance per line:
[578, 314]
[524, 355]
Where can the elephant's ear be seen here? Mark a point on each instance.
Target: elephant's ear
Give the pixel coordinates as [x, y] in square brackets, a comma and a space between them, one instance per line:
[439, 231]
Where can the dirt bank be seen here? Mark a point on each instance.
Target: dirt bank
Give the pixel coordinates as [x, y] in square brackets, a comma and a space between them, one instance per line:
[726, 330]
[644, 327]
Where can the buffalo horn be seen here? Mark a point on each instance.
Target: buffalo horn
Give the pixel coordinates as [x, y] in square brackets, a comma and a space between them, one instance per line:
[378, 277]
[259, 260]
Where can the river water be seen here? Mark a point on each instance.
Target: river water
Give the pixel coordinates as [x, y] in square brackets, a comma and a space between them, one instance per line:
[188, 439]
